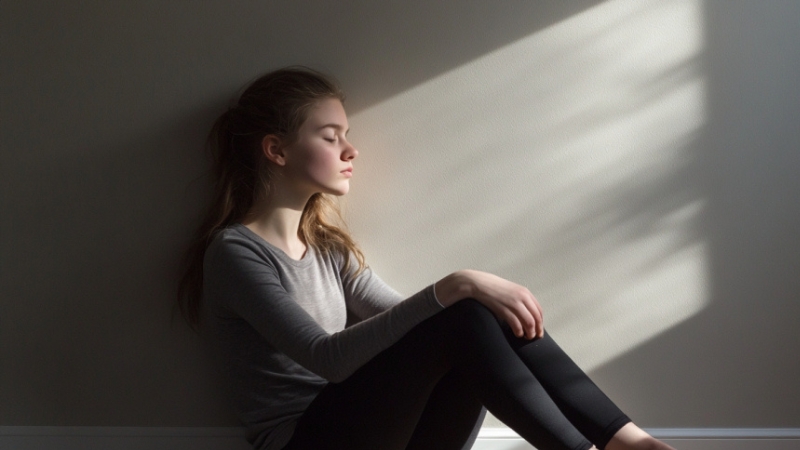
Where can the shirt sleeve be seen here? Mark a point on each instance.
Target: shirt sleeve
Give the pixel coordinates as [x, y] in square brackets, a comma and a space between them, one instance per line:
[248, 285]
[366, 294]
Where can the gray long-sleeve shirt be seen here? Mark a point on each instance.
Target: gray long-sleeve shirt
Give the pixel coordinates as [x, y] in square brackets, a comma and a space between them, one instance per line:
[278, 326]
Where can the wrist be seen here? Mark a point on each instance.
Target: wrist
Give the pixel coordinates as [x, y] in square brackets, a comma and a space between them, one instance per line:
[454, 287]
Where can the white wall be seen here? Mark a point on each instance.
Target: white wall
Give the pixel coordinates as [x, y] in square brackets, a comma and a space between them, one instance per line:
[634, 163]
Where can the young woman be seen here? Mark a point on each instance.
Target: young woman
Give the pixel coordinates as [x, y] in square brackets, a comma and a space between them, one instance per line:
[318, 351]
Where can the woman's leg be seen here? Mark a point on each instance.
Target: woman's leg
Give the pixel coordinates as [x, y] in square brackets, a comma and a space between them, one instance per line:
[584, 404]
[379, 406]
[581, 401]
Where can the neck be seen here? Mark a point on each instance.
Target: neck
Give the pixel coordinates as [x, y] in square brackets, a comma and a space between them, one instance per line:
[277, 220]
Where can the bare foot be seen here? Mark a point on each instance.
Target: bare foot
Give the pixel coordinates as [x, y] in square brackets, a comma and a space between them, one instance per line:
[631, 437]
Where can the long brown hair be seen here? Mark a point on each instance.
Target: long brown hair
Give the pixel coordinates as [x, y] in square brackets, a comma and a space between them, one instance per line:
[277, 103]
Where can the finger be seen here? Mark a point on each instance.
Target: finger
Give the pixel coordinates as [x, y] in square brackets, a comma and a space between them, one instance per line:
[538, 306]
[522, 308]
[536, 312]
[527, 319]
[541, 318]
[540, 326]
[514, 323]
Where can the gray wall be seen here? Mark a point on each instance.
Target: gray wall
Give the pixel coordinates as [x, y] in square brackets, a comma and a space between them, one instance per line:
[104, 111]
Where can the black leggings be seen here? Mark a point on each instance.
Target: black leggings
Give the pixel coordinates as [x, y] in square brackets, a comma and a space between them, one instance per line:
[428, 390]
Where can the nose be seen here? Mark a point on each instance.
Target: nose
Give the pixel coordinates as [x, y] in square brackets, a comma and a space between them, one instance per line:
[349, 153]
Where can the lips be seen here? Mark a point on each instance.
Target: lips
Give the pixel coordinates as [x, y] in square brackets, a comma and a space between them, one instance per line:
[348, 172]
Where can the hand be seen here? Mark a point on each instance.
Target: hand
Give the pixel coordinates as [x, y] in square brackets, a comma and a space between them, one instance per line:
[510, 302]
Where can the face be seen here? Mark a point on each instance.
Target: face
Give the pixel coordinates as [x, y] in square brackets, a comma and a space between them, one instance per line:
[321, 160]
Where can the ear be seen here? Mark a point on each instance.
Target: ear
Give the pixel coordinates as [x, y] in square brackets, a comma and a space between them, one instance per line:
[273, 150]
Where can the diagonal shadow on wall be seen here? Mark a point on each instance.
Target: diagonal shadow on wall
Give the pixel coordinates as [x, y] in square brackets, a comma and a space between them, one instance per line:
[733, 363]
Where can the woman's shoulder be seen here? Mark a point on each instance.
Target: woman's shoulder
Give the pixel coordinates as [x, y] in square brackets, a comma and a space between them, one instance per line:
[234, 243]
[231, 237]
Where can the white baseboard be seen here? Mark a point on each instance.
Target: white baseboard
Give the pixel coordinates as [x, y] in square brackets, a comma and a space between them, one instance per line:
[232, 438]
[680, 438]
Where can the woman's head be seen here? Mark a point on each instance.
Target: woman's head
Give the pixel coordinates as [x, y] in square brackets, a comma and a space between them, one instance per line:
[275, 104]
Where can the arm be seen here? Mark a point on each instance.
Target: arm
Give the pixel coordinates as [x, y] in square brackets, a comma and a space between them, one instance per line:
[367, 295]
[509, 301]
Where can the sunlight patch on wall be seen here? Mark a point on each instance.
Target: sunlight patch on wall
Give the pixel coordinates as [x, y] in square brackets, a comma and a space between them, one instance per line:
[565, 161]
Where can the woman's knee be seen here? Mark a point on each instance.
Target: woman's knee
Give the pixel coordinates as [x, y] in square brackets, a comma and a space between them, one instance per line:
[470, 306]
[473, 318]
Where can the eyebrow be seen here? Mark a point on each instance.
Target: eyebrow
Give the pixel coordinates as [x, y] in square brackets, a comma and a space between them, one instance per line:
[333, 125]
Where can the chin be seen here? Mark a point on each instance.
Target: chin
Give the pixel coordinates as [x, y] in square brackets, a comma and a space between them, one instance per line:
[343, 189]
[340, 191]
